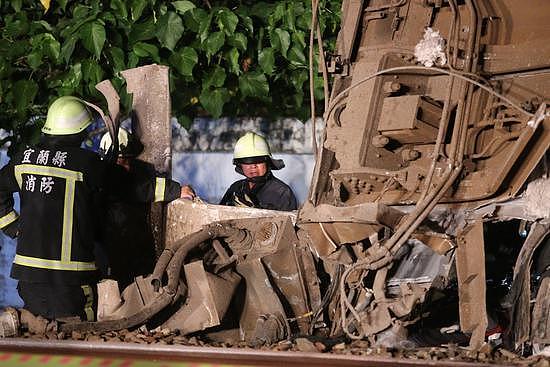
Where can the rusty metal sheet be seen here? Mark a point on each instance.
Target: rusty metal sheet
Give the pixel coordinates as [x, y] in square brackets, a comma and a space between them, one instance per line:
[261, 304]
[440, 243]
[325, 238]
[510, 58]
[130, 302]
[287, 273]
[372, 213]
[207, 299]
[470, 268]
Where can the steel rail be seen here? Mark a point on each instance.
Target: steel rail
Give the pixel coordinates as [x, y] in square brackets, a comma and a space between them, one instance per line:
[241, 356]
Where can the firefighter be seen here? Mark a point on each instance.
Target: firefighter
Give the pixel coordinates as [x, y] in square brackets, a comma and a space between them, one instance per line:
[61, 187]
[260, 189]
[58, 183]
[126, 234]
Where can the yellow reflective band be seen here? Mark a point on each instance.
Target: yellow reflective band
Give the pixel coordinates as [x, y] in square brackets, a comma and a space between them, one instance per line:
[89, 294]
[68, 204]
[8, 218]
[160, 186]
[36, 262]
[33, 169]
[67, 236]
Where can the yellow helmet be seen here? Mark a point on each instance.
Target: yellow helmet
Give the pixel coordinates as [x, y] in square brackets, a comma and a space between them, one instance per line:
[253, 148]
[67, 115]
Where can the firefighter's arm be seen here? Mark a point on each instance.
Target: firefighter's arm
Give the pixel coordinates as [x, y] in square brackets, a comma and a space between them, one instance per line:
[161, 189]
[168, 190]
[9, 219]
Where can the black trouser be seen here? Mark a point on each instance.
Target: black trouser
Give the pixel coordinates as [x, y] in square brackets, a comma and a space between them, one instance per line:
[54, 301]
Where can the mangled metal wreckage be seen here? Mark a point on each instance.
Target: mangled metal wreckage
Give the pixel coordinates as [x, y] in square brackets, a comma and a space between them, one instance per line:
[437, 133]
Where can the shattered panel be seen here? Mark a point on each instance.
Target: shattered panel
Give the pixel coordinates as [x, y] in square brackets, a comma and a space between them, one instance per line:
[207, 299]
[470, 268]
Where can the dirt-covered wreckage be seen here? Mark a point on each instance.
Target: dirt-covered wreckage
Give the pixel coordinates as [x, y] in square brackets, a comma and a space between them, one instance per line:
[429, 205]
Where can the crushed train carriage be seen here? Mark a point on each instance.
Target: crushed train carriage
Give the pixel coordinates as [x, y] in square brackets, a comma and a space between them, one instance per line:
[430, 186]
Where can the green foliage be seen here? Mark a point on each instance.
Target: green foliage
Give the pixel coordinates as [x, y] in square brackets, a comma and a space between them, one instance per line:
[238, 57]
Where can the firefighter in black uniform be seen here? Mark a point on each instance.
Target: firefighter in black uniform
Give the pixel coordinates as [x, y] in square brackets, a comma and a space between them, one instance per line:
[260, 189]
[61, 187]
[126, 233]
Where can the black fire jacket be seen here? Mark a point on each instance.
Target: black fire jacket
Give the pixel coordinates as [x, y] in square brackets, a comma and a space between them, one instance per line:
[271, 193]
[62, 188]
[126, 231]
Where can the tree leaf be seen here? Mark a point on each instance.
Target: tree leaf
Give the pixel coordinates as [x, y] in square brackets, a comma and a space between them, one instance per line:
[298, 78]
[248, 23]
[119, 8]
[214, 77]
[80, 11]
[184, 60]
[277, 14]
[5, 69]
[34, 59]
[47, 26]
[169, 30]
[299, 38]
[136, 8]
[280, 40]
[25, 92]
[92, 72]
[45, 44]
[16, 28]
[194, 19]
[227, 21]
[238, 40]
[72, 79]
[51, 47]
[142, 31]
[204, 27]
[253, 84]
[289, 17]
[183, 6]
[232, 57]
[93, 36]
[143, 49]
[185, 121]
[62, 4]
[117, 56]
[16, 5]
[133, 60]
[266, 59]
[262, 10]
[214, 43]
[296, 57]
[68, 48]
[214, 100]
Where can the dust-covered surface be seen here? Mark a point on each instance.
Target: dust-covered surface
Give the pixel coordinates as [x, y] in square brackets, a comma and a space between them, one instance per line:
[449, 352]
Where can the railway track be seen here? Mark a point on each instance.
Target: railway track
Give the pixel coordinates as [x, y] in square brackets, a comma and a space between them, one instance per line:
[21, 352]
